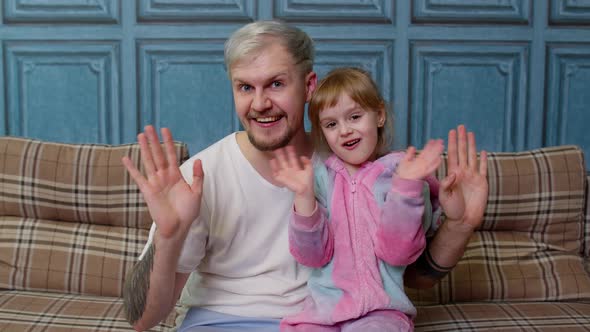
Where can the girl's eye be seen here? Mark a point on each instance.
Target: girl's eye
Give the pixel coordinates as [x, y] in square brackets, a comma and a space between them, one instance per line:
[330, 124]
[355, 116]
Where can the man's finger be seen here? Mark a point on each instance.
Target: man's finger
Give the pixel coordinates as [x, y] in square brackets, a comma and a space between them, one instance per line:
[472, 154]
[483, 163]
[136, 175]
[146, 154]
[462, 146]
[198, 177]
[169, 148]
[154, 141]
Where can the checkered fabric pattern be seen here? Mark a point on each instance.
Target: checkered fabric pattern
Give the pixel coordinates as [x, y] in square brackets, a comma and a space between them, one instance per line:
[83, 183]
[528, 248]
[72, 224]
[55, 312]
[505, 317]
[586, 247]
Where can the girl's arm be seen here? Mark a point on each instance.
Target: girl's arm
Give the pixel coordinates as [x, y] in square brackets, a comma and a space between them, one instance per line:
[310, 238]
[400, 237]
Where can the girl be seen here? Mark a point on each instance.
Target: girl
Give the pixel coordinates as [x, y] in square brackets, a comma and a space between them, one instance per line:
[357, 216]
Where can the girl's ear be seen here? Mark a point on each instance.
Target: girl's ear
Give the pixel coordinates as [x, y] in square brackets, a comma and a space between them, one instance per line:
[381, 117]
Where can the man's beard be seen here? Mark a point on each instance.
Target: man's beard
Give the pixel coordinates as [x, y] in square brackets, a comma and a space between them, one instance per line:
[274, 144]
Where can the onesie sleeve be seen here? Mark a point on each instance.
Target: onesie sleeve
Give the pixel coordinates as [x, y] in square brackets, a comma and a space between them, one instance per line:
[311, 240]
[433, 213]
[400, 237]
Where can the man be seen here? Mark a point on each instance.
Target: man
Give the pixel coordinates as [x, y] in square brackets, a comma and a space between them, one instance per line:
[225, 218]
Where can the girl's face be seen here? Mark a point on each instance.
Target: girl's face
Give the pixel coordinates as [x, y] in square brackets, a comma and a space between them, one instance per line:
[351, 131]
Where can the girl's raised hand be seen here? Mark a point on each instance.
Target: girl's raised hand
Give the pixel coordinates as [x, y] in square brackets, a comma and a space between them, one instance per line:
[413, 167]
[292, 171]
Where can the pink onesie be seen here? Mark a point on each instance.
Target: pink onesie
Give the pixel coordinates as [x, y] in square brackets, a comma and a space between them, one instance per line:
[367, 228]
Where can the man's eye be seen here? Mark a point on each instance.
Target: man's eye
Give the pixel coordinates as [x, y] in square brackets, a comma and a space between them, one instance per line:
[277, 84]
[245, 87]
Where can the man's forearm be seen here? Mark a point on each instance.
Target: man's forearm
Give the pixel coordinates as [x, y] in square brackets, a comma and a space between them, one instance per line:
[153, 286]
[440, 256]
[137, 285]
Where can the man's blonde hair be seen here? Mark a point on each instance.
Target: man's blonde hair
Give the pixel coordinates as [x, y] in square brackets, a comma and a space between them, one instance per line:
[254, 37]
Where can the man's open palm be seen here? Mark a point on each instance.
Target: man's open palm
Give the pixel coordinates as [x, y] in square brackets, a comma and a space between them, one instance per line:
[171, 201]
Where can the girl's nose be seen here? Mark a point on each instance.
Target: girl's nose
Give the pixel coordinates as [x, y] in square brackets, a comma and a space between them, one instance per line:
[345, 130]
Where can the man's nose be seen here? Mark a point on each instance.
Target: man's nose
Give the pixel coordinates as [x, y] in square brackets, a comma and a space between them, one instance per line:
[261, 102]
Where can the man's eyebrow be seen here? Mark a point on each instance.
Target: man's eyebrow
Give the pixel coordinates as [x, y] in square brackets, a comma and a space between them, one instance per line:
[268, 79]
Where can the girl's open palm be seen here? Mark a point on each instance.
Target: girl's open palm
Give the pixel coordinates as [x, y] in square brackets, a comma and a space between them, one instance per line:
[292, 171]
[413, 167]
[173, 204]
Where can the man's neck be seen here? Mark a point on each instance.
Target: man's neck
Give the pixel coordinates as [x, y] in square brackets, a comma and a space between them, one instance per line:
[260, 160]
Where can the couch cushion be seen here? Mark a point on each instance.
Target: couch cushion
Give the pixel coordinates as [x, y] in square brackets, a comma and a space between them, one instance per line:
[52, 312]
[74, 258]
[586, 247]
[528, 247]
[72, 182]
[542, 316]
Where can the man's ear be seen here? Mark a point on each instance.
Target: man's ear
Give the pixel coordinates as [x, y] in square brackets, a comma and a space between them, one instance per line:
[311, 81]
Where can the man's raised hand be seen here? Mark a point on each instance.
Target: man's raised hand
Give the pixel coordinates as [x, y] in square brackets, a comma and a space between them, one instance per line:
[464, 192]
[173, 204]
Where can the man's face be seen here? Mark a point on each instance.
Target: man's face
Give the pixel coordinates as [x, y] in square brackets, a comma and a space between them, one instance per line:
[270, 95]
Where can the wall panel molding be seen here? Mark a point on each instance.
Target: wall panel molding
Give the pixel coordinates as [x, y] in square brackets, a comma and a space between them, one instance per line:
[191, 10]
[48, 83]
[481, 85]
[472, 11]
[63, 11]
[570, 12]
[367, 11]
[181, 85]
[567, 111]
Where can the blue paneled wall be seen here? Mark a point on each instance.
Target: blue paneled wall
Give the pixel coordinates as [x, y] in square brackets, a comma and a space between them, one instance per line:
[517, 72]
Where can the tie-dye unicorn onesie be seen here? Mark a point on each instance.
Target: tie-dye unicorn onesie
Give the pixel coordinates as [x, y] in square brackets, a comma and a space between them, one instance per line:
[365, 231]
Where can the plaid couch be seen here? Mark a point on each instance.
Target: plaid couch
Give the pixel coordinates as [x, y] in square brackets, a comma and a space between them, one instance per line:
[72, 224]
[527, 268]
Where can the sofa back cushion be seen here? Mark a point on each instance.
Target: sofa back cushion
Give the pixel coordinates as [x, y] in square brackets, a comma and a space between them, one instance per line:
[67, 257]
[528, 247]
[71, 219]
[84, 183]
[586, 248]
